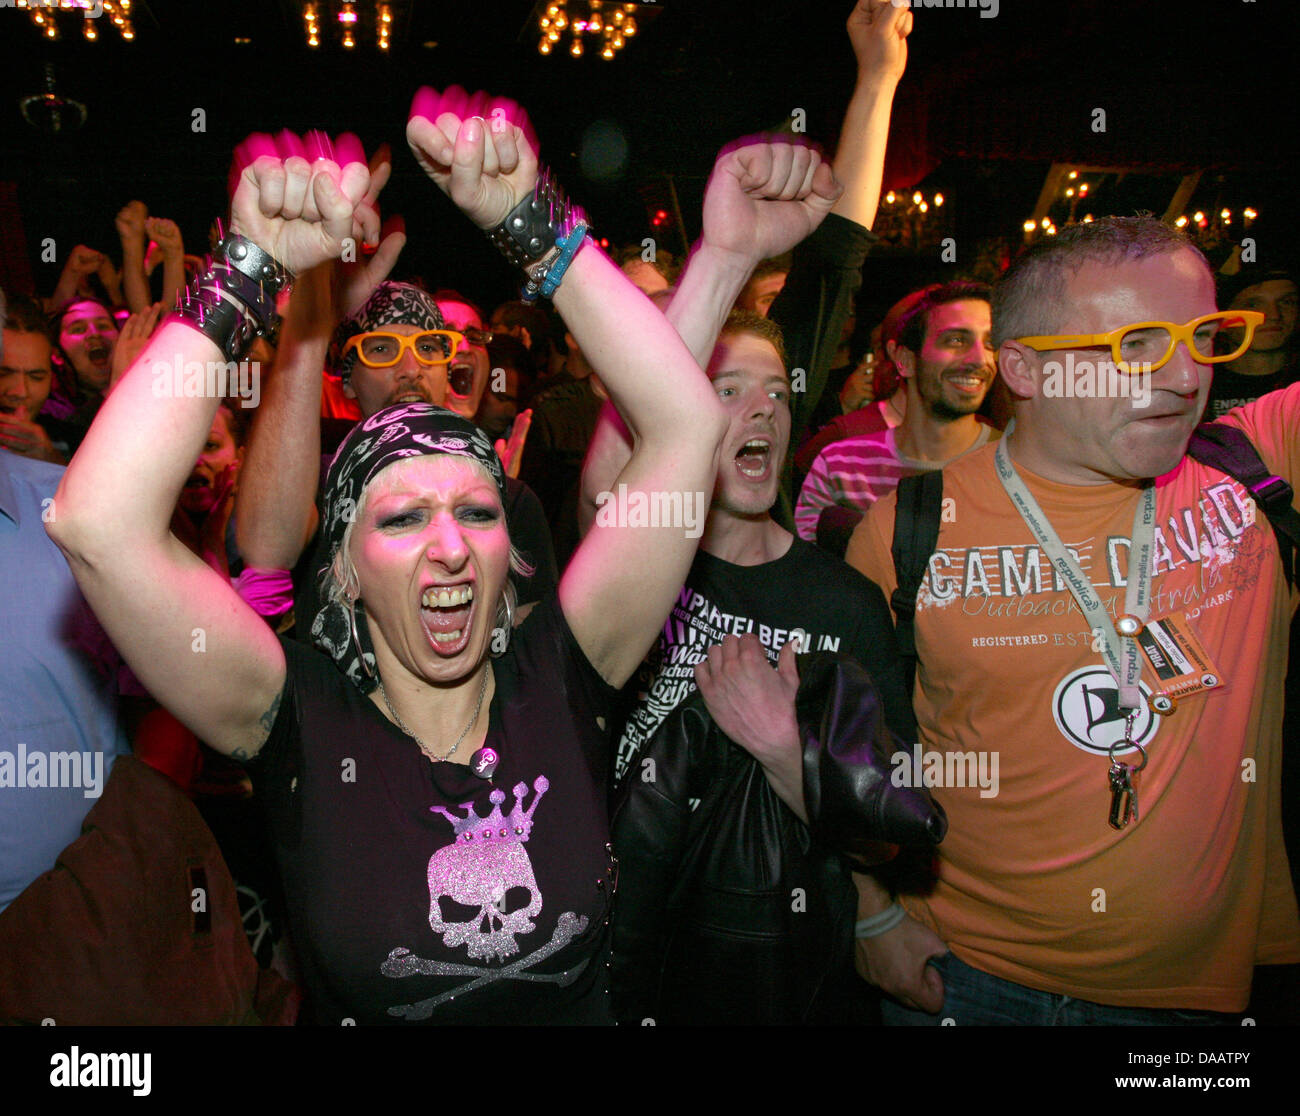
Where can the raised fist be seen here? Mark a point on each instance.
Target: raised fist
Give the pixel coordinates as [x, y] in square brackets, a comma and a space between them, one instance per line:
[130, 222]
[83, 261]
[166, 235]
[301, 200]
[878, 30]
[765, 196]
[478, 150]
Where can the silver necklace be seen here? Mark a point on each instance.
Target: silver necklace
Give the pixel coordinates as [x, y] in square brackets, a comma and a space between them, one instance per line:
[423, 746]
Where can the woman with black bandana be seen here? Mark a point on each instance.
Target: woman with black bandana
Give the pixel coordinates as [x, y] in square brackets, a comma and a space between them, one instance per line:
[434, 780]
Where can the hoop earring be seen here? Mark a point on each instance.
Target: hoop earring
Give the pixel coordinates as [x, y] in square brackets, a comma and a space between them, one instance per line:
[361, 654]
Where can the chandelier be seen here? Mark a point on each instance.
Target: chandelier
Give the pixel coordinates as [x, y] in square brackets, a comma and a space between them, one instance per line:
[45, 15]
[347, 22]
[603, 25]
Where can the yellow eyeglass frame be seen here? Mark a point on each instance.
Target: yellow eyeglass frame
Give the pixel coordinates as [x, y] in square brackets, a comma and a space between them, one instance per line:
[403, 343]
[1246, 320]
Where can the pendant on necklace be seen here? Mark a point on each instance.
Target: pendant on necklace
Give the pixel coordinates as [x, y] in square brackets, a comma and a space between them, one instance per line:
[484, 762]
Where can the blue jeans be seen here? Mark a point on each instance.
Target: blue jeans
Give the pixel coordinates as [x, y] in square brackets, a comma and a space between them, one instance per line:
[976, 999]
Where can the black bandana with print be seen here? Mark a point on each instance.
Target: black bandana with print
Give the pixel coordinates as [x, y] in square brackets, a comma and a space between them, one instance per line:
[407, 430]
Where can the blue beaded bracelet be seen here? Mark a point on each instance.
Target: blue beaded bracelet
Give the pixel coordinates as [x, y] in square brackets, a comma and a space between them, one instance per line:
[569, 246]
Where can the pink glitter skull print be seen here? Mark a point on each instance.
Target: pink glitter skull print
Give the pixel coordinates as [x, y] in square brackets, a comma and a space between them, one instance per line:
[487, 863]
[486, 873]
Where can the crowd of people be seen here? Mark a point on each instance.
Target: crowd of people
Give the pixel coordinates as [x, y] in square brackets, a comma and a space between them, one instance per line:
[577, 661]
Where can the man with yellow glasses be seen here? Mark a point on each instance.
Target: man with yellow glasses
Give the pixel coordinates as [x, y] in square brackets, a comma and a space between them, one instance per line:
[1102, 622]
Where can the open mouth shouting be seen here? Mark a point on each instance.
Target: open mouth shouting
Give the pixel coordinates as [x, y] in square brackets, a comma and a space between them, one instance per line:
[460, 379]
[447, 613]
[754, 459]
[98, 352]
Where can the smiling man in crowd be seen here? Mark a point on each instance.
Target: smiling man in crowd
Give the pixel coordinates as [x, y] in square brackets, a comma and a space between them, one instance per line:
[944, 355]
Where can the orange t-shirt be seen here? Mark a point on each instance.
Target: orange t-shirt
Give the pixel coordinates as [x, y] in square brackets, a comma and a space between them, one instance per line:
[1033, 885]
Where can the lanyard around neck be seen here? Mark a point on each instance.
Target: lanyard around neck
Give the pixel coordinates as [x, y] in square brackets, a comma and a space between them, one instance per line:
[1121, 653]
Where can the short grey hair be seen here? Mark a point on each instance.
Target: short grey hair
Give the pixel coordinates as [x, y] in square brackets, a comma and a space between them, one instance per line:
[1029, 298]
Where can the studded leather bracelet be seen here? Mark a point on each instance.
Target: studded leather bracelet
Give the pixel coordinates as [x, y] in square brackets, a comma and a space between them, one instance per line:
[538, 234]
[233, 302]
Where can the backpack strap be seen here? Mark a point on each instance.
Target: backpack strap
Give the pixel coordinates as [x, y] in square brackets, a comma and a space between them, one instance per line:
[916, 534]
[1229, 450]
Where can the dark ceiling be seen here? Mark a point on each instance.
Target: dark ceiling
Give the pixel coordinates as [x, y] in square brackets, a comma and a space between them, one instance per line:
[1203, 84]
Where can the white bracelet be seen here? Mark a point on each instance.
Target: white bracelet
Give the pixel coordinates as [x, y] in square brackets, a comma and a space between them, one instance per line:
[880, 923]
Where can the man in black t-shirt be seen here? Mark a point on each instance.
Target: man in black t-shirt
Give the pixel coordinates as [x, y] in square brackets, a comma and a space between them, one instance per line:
[1270, 363]
[750, 574]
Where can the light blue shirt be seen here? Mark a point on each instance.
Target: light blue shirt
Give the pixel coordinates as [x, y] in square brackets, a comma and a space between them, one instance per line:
[58, 686]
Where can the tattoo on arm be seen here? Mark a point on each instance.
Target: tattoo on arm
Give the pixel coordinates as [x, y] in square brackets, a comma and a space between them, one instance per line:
[267, 719]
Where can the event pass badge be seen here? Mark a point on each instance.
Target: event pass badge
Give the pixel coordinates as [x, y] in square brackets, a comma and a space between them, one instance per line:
[1181, 664]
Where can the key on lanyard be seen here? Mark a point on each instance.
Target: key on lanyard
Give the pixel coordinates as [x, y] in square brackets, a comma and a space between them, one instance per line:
[1123, 794]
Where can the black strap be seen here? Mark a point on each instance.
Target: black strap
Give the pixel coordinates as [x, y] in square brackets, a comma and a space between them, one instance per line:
[1227, 449]
[916, 534]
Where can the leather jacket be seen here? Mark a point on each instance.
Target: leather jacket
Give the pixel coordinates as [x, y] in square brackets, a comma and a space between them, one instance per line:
[735, 911]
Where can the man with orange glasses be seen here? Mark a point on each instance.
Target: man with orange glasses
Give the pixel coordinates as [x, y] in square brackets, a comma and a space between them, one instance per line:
[1103, 621]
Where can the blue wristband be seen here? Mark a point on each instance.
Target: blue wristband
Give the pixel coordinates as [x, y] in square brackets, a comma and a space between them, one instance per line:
[569, 246]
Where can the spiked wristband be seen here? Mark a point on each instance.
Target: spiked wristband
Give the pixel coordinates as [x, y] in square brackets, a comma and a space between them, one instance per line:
[233, 302]
[537, 234]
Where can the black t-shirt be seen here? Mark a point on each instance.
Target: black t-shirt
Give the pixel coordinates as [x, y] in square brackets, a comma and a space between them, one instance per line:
[419, 891]
[1228, 389]
[835, 606]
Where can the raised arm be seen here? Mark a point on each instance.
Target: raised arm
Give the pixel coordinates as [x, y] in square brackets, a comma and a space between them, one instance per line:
[762, 199]
[167, 236]
[878, 30]
[827, 271]
[130, 229]
[275, 509]
[622, 580]
[195, 646]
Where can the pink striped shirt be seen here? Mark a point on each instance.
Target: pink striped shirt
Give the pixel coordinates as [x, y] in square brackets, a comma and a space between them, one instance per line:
[857, 472]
